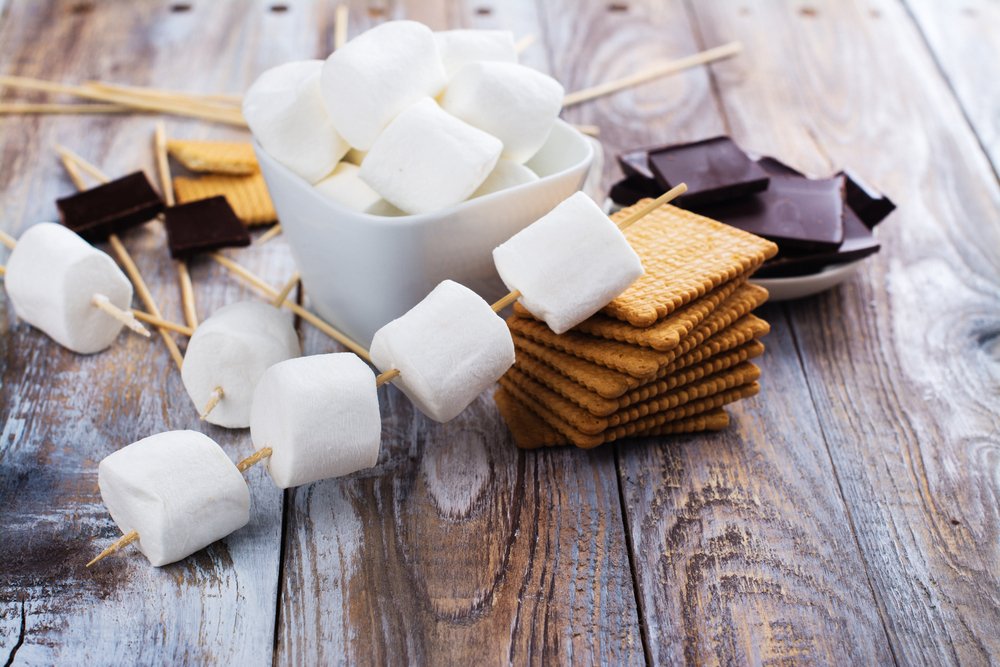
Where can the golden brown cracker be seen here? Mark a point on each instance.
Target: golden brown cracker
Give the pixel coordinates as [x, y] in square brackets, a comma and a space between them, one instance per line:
[687, 368]
[531, 432]
[585, 422]
[217, 157]
[639, 362]
[246, 194]
[685, 256]
[711, 337]
[638, 426]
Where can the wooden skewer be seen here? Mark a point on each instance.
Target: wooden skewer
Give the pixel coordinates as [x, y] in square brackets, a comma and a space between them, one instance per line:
[209, 100]
[269, 234]
[521, 45]
[161, 323]
[126, 317]
[387, 377]
[132, 536]
[340, 26]
[283, 293]
[51, 108]
[653, 72]
[309, 317]
[7, 239]
[71, 161]
[167, 185]
[213, 400]
[231, 117]
[667, 196]
[3, 270]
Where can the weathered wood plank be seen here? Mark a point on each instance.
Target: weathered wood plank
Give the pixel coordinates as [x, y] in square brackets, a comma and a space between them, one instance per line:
[457, 548]
[740, 541]
[902, 361]
[965, 40]
[61, 413]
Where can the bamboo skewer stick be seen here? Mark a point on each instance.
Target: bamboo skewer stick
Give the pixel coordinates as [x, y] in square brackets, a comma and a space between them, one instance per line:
[340, 26]
[283, 293]
[73, 163]
[126, 317]
[270, 234]
[210, 100]
[213, 400]
[161, 323]
[309, 317]
[388, 376]
[7, 240]
[3, 270]
[667, 196]
[521, 45]
[653, 72]
[56, 108]
[167, 185]
[131, 536]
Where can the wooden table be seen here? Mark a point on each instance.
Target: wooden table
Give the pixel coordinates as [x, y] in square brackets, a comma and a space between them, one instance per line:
[851, 514]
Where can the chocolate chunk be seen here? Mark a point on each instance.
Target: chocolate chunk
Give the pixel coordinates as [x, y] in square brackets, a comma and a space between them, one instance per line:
[796, 213]
[203, 225]
[715, 170]
[110, 208]
[871, 205]
[858, 242]
[636, 163]
[776, 167]
[630, 190]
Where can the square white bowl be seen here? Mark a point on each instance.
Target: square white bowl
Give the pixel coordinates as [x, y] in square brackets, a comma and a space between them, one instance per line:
[360, 271]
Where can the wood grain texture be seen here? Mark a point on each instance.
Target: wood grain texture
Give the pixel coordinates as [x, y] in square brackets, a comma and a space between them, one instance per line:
[457, 547]
[728, 570]
[964, 38]
[902, 362]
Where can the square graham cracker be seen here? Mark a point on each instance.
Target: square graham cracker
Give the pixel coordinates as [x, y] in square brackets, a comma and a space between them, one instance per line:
[685, 256]
[217, 157]
[531, 432]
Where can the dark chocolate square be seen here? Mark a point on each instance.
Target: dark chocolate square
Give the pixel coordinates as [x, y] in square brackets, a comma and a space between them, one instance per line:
[796, 213]
[630, 190]
[202, 226]
[110, 208]
[859, 242]
[715, 170]
[871, 205]
[636, 163]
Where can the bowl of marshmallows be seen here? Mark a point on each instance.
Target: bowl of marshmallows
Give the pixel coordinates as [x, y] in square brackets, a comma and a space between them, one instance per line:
[404, 159]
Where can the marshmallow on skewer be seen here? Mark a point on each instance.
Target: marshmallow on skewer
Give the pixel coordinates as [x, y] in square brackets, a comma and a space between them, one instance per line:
[568, 264]
[448, 348]
[53, 277]
[286, 113]
[345, 187]
[427, 160]
[320, 417]
[378, 74]
[514, 103]
[506, 174]
[178, 490]
[231, 350]
[461, 47]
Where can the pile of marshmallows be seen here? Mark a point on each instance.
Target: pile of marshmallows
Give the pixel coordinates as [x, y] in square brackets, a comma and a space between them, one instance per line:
[403, 120]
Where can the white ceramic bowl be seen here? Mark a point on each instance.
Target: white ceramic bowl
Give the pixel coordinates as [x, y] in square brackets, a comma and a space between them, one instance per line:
[799, 287]
[361, 271]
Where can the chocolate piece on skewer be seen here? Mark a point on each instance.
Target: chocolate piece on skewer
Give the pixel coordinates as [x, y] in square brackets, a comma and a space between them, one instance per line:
[796, 213]
[715, 170]
[108, 209]
[871, 205]
[202, 226]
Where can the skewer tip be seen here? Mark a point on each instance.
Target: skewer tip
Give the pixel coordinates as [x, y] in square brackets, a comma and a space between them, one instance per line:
[120, 543]
[213, 400]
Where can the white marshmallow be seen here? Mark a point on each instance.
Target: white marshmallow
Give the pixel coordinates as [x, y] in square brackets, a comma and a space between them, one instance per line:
[461, 47]
[568, 264]
[178, 490]
[505, 175]
[449, 348]
[376, 75]
[52, 277]
[286, 113]
[514, 103]
[344, 187]
[427, 160]
[319, 415]
[232, 349]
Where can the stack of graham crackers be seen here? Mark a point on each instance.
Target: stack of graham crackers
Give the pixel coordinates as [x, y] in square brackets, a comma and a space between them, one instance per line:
[663, 357]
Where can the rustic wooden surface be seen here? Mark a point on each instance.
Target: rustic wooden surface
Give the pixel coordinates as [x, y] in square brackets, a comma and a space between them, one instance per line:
[851, 515]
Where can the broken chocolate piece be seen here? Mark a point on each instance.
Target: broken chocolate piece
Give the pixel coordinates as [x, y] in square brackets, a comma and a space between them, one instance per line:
[859, 242]
[796, 213]
[111, 208]
[636, 163]
[203, 225]
[871, 205]
[630, 190]
[715, 170]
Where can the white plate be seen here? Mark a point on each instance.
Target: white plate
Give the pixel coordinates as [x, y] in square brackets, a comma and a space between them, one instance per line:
[798, 287]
